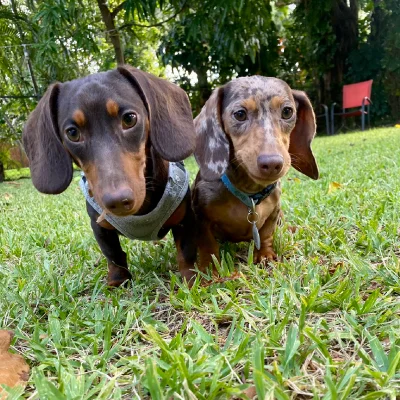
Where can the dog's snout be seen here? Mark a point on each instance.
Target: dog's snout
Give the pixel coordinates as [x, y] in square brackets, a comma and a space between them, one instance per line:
[270, 164]
[120, 201]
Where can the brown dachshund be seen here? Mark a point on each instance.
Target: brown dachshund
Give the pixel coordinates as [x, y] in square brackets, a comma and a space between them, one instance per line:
[248, 134]
[126, 129]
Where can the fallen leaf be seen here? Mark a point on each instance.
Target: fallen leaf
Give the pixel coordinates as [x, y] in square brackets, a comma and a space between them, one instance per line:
[334, 186]
[14, 371]
[250, 392]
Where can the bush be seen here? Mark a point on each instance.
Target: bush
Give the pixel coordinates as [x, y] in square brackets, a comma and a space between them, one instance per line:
[14, 174]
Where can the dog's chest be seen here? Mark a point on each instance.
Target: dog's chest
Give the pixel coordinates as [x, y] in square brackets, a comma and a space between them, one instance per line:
[230, 220]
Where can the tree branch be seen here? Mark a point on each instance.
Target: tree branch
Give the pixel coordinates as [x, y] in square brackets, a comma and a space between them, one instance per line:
[112, 31]
[127, 25]
[118, 9]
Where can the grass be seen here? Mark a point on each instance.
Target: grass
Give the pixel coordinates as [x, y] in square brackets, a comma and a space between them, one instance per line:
[321, 324]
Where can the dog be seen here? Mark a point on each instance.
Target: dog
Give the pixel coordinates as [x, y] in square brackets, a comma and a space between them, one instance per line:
[127, 130]
[248, 134]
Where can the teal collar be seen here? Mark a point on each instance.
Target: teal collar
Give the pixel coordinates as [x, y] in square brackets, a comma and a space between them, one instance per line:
[249, 199]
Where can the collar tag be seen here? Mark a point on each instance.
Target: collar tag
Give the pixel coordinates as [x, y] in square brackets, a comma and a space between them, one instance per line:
[250, 200]
[252, 218]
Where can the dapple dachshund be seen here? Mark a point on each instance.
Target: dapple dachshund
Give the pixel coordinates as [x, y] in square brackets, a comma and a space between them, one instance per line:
[249, 133]
[127, 130]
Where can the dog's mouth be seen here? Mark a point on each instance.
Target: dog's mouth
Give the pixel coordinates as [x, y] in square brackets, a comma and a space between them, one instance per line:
[259, 180]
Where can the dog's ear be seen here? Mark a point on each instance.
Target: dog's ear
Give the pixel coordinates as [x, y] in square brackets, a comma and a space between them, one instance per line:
[171, 121]
[50, 163]
[302, 135]
[212, 146]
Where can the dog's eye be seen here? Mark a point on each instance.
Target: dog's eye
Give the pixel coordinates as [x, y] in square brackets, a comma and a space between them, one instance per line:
[287, 112]
[129, 120]
[73, 134]
[240, 115]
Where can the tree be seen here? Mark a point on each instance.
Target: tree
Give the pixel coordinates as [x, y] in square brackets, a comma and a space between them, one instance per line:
[217, 39]
[56, 40]
[319, 37]
[133, 11]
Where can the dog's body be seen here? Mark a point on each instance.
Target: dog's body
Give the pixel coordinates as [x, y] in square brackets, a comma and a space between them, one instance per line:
[249, 133]
[122, 128]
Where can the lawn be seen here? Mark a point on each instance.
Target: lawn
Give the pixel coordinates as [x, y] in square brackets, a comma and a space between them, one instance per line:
[323, 323]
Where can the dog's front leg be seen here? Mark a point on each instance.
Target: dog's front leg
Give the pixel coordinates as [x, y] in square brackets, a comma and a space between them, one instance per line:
[110, 246]
[185, 241]
[266, 251]
[207, 245]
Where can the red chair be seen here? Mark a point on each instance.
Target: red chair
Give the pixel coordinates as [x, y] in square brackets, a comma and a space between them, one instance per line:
[354, 96]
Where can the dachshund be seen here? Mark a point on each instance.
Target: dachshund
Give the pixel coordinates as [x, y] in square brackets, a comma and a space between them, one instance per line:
[248, 134]
[127, 130]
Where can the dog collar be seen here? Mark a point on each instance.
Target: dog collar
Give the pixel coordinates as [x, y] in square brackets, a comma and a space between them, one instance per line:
[147, 227]
[250, 200]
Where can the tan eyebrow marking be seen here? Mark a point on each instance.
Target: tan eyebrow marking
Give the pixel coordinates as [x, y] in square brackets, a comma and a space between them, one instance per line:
[112, 108]
[250, 104]
[277, 101]
[79, 117]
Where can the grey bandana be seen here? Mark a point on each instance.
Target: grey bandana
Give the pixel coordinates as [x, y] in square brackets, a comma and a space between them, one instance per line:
[147, 227]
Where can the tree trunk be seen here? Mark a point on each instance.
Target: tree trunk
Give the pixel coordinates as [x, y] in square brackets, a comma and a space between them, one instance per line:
[203, 86]
[108, 19]
[2, 177]
[22, 37]
[345, 26]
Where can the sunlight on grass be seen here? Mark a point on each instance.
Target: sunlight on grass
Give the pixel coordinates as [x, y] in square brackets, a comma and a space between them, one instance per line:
[322, 323]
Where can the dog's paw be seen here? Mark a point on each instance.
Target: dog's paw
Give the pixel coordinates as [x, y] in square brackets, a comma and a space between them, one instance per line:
[117, 275]
[265, 255]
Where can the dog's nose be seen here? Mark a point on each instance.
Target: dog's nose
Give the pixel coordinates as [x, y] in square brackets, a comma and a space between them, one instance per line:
[270, 164]
[120, 201]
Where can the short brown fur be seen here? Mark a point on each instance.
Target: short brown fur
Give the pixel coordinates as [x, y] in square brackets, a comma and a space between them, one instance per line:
[79, 118]
[250, 104]
[277, 101]
[126, 166]
[112, 108]
[242, 146]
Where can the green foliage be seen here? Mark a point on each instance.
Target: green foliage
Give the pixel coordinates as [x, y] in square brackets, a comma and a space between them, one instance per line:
[15, 174]
[218, 39]
[309, 44]
[391, 60]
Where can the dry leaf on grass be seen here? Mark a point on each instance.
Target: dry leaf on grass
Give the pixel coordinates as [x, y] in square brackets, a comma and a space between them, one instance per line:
[13, 368]
[334, 186]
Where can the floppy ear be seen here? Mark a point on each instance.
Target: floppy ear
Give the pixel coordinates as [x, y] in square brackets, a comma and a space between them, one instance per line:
[171, 120]
[212, 146]
[302, 135]
[50, 163]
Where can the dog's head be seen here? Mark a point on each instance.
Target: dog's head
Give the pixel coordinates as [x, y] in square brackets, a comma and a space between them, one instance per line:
[105, 123]
[259, 124]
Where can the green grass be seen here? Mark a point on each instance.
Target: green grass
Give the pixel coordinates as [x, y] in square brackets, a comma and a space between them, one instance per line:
[324, 323]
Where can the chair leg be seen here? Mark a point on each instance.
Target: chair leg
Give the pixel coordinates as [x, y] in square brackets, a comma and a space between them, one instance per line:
[332, 119]
[362, 117]
[343, 119]
[369, 118]
[326, 113]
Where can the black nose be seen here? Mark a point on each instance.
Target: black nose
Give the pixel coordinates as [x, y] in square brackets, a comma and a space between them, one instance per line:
[270, 164]
[119, 202]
